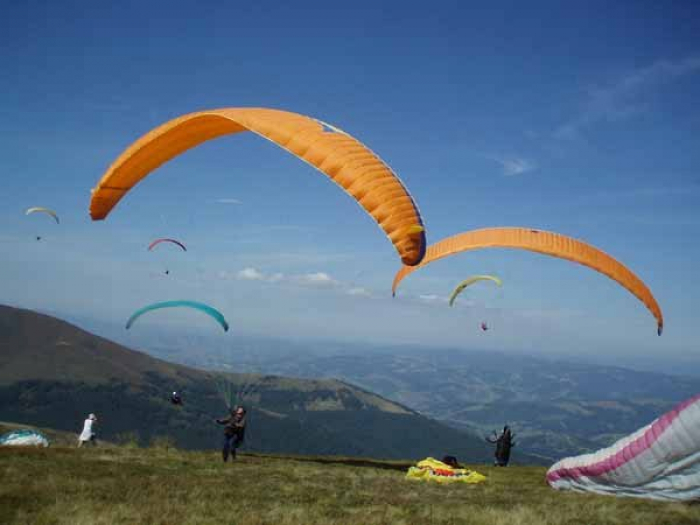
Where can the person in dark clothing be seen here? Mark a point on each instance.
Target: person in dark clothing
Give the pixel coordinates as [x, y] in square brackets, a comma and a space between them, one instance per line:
[234, 431]
[504, 443]
[451, 461]
[176, 399]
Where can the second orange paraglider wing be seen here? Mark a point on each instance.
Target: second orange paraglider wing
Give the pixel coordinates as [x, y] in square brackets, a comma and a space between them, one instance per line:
[548, 243]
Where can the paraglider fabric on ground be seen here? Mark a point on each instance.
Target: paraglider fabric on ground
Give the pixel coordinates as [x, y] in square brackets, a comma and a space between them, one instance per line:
[24, 438]
[432, 470]
[660, 461]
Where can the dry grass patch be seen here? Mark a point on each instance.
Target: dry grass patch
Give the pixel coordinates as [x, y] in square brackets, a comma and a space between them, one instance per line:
[168, 486]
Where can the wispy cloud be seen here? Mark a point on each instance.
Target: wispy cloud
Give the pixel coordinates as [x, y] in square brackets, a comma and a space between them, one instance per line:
[314, 280]
[431, 298]
[625, 97]
[251, 274]
[442, 300]
[543, 314]
[301, 258]
[228, 201]
[514, 165]
[359, 291]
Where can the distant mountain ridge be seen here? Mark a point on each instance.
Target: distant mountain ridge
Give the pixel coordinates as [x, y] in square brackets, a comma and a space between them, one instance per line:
[53, 373]
[557, 408]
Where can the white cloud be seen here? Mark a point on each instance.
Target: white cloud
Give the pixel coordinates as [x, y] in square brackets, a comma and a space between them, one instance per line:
[316, 280]
[305, 258]
[251, 274]
[319, 280]
[313, 280]
[515, 165]
[358, 291]
[430, 298]
[228, 201]
[543, 314]
[624, 98]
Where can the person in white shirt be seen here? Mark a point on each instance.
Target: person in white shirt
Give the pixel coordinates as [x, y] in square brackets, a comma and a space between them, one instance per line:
[88, 434]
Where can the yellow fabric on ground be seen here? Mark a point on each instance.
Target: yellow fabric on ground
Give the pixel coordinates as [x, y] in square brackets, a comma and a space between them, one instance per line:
[431, 469]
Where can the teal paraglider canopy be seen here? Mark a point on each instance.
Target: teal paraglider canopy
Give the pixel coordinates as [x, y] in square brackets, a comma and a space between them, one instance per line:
[24, 438]
[210, 311]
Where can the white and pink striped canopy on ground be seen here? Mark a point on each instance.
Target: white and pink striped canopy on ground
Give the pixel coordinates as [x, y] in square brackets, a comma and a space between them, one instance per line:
[659, 461]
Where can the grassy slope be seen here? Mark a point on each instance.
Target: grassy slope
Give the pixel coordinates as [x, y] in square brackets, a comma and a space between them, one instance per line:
[158, 486]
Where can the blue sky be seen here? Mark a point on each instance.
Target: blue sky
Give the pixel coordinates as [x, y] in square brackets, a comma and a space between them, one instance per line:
[580, 119]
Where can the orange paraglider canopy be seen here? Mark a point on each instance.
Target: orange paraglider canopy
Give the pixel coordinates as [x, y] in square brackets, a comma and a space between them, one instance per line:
[547, 243]
[349, 163]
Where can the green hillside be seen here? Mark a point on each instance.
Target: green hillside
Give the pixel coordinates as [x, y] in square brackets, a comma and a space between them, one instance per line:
[158, 486]
[53, 374]
[557, 408]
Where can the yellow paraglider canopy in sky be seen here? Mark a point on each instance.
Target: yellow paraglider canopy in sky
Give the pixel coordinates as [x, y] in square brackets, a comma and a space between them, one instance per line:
[471, 280]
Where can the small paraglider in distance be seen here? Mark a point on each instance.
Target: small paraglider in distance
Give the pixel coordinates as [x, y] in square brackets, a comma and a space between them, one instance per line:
[171, 241]
[36, 209]
[504, 443]
[484, 327]
[468, 282]
[166, 240]
[41, 209]
[176, 399]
